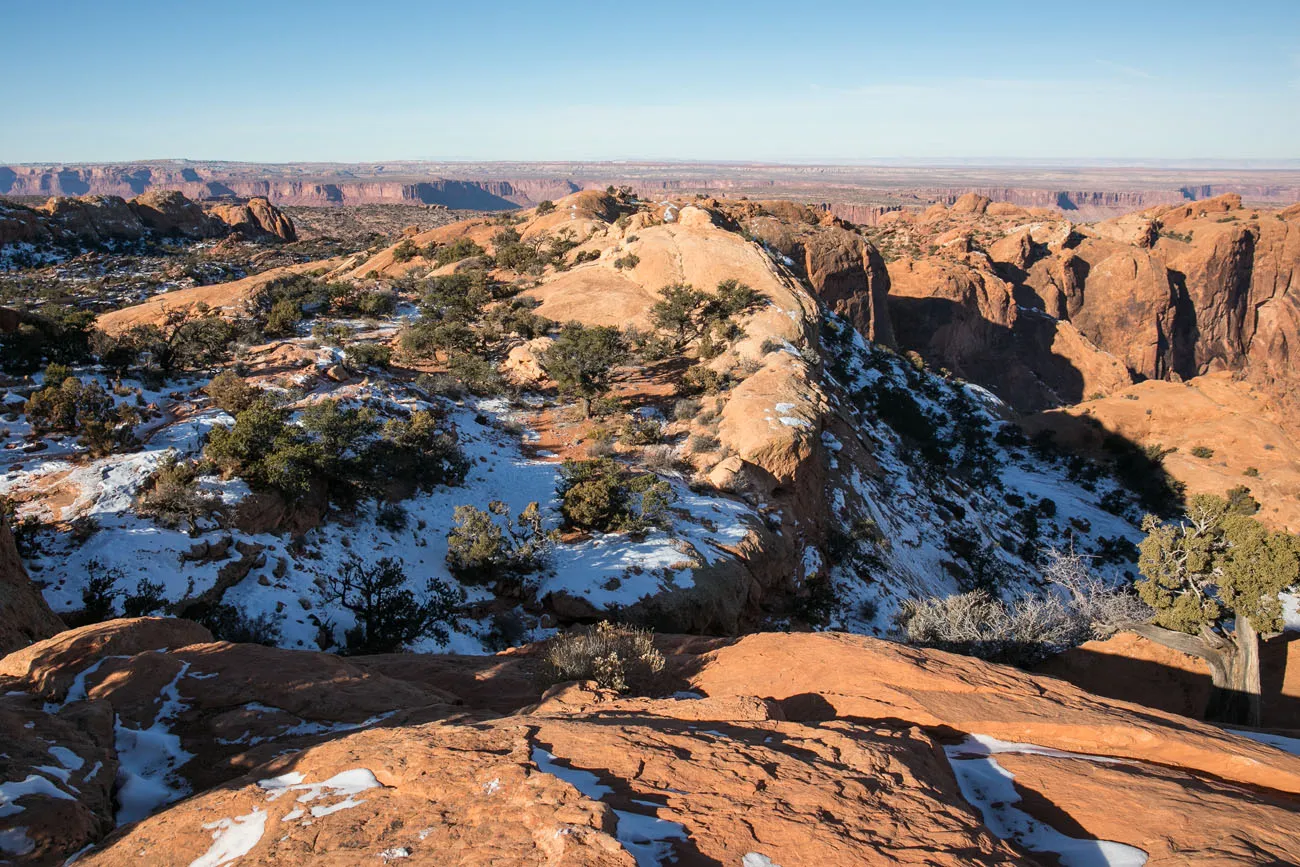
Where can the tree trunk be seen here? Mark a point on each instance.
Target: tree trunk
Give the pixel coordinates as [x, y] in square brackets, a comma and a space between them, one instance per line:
[1234, 668]
[1246, 680]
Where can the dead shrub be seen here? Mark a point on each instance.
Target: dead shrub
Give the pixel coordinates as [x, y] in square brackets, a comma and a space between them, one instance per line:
[618, 657]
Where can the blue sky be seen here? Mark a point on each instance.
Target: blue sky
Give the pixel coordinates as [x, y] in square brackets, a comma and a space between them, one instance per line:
[292, 80]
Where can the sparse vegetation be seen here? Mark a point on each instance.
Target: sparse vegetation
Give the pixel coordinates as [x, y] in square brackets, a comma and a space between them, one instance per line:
[616, 657]
[599, 495]
[1076, 607]
[345, 452]
[582, 360]
[171, 495]
[388, 613]
[483, 550]
[84, 410]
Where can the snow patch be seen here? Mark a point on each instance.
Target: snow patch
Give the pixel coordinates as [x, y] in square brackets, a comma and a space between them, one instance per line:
[990, 788]
[148, 759]
[232, 839]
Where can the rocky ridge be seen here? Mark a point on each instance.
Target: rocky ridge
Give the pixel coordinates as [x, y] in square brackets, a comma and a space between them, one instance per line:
[107, 219]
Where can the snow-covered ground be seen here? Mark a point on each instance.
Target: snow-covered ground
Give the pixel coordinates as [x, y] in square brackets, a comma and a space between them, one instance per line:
[606, 570]
[916, 505]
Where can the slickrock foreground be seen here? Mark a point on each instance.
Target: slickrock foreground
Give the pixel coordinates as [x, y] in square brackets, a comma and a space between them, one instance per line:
[786, 749]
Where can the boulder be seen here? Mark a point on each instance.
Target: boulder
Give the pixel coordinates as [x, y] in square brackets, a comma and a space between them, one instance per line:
[255, 218]
[167, 212]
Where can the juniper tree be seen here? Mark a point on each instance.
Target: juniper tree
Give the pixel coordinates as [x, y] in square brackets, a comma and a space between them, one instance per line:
[1214, 581]
[582, 360]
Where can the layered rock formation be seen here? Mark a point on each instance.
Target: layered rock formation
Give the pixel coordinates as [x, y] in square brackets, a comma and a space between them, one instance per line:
[775, 749]
[1173, 292]
[102, 218]
[128, 181]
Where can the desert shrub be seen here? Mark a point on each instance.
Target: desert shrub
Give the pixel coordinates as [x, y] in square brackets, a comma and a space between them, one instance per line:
[984, 569]
[421, 448]
[388, 614]
[545, 207]
[1142, 471]
[704, 442]
[511, 252]
[676, 311]
[391, 517]
[26, 530]
[282, 319]
[461, 248]
[230, 392]
[443, 384]
[641, 432]
[229, 623]
[687, 314]
[426, 338]
[621, 658]
[286, 301]
[146, 600]
[477, 374]
[369, 355]
[1251, 472]
[191, 338]
[700, 379]
[1202, 452]
[264, 448]
[599, 495]
[405, 251]
[171, 495]
[379, 302]
[85, 410]
[979, 624]
[1241, 502]
[1077, 607]
[586, 256]
[345, 450]
[627, 260]
[332, 333]
[581, 360]
[58, 333]
[659, 458]
[686, 409]
[482, 550]
[99, 596]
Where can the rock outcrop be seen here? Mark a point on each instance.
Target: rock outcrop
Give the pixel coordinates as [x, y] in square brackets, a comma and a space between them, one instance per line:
[100, 219]
[256, 217]
[1221, 433]
[24, 615]
[843, 269]
[777, 749]
[1173, 292]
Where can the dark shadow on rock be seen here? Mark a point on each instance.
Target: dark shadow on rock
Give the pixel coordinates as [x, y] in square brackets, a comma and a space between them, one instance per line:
[1152, 684]
[1017, 365]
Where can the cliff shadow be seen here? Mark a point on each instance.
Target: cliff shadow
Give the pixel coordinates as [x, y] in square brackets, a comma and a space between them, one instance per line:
[1177, 690]
[1015, 363]
[462, 195]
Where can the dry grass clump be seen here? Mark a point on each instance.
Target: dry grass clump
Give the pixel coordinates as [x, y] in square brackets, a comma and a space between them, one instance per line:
[1032, 625]
[617, 657]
